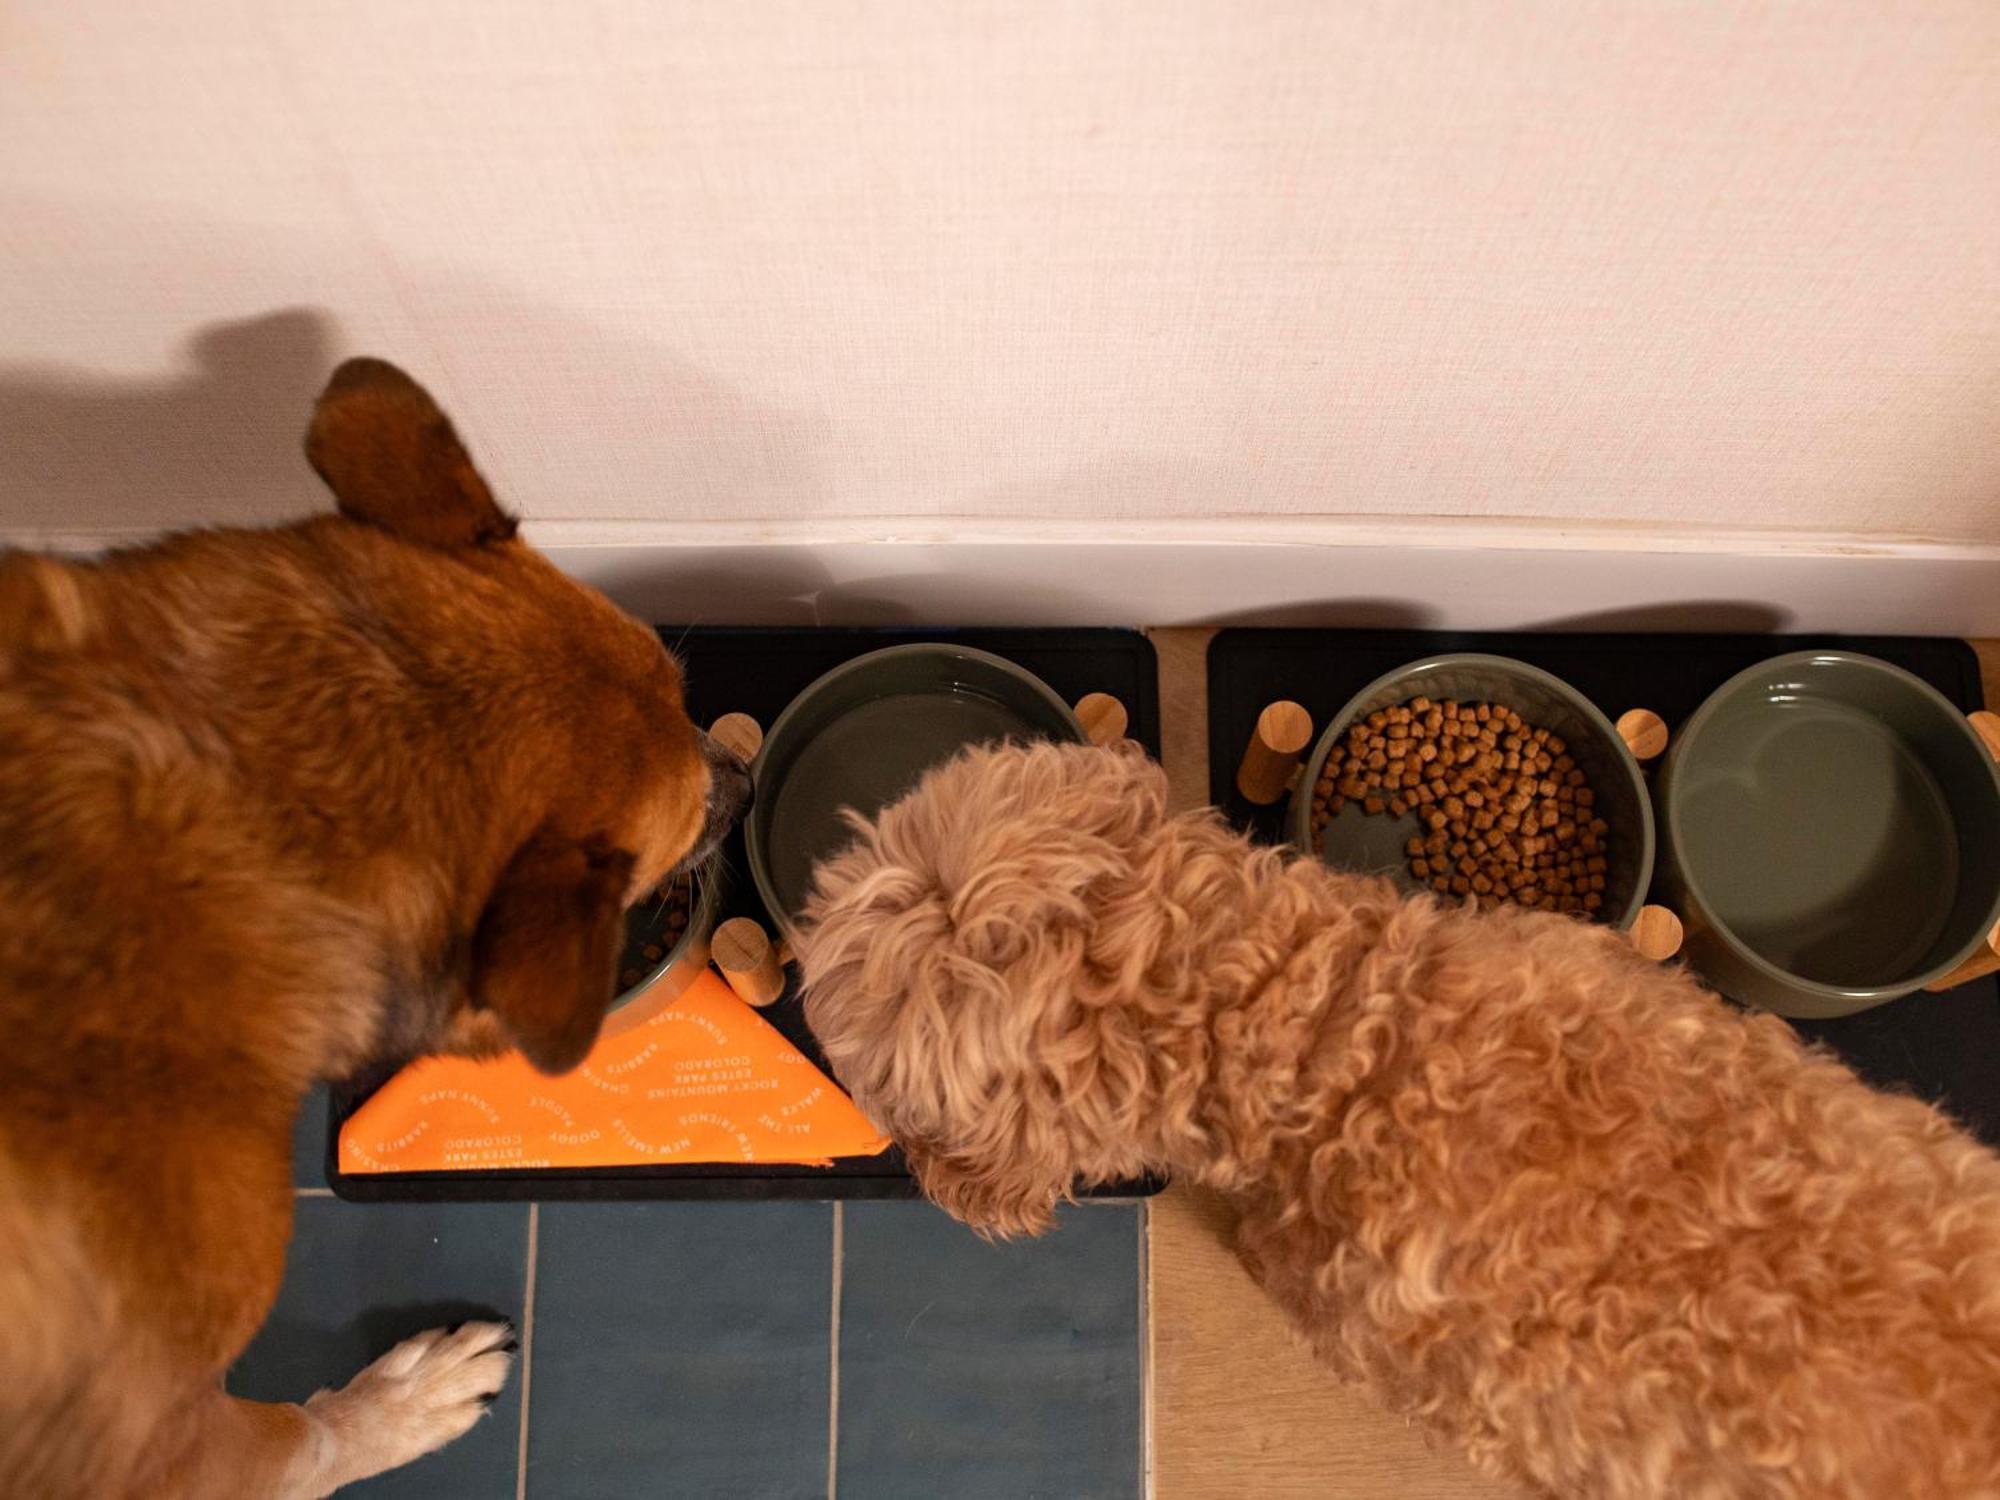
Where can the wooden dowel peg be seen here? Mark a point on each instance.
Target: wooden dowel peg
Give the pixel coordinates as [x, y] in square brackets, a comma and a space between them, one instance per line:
[1271, 759]
[1643, 731]
[1656, 933]
[1103, 718]
[1987, 727]
[1985, 960]
[742, 950]
[738, 733]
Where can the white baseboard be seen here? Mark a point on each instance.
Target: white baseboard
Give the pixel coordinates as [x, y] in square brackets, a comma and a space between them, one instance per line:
[1422, 577]
[1436, 574]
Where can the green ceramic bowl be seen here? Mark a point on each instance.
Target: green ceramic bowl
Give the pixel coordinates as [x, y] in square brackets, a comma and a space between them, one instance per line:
[1373, 842]
[1830, 834]
[863, 734]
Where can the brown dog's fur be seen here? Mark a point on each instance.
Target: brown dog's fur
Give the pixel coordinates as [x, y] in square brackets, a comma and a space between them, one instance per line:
[273, 805]
[1569, 1209]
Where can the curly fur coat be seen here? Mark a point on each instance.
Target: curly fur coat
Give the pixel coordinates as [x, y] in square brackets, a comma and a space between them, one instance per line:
[1607, 1234]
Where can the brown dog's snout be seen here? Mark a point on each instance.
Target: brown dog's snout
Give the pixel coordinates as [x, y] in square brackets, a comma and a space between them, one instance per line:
[730, 789]
[730, 792]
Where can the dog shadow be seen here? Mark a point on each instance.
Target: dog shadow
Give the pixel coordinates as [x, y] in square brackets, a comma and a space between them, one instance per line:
[568, 417]
[1212, 1211]
[292, 1355]
[216, 441]
[382, 1328]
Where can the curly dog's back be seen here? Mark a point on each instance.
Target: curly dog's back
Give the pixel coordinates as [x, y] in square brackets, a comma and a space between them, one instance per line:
[1611, 1236]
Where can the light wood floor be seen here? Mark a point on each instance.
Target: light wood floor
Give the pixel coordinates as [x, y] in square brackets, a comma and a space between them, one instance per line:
[1237, 1409]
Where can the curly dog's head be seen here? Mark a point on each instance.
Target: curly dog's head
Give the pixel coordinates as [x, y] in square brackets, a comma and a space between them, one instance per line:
[963, 963]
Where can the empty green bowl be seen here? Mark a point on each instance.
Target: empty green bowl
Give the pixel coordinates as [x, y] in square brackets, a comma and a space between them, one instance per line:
[1373, 843]
[1830, 834]
[863, 734]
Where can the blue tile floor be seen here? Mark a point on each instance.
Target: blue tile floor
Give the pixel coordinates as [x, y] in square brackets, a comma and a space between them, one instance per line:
[782, 1351]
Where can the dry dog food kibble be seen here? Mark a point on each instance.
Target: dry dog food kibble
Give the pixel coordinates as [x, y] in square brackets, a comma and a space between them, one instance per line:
[1506, 813]
[652, 933]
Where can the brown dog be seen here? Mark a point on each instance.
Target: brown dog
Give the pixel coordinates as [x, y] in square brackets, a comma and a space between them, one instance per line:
[274, 804]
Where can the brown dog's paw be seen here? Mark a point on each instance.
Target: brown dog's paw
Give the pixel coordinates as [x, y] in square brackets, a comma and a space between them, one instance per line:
[413, 1400]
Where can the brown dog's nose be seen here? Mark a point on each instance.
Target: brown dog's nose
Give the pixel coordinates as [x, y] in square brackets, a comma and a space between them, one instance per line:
[730, 785]
[730, 788]
[730, 791]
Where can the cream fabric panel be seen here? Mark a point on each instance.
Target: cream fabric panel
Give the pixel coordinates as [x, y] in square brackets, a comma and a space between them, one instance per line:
[1701, 264]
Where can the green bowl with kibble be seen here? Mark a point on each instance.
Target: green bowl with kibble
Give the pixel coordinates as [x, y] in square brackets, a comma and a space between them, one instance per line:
[666, 935]
[1480, 778]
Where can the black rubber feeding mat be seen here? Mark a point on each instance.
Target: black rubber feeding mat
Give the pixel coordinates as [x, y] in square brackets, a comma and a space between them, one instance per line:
[1945, 1048]
[758, 672]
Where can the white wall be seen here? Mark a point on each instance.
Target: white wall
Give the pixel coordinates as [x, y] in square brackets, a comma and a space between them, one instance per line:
[1591, 273]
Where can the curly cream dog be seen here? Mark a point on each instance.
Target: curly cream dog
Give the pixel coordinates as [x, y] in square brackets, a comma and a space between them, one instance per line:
[1564, 1206]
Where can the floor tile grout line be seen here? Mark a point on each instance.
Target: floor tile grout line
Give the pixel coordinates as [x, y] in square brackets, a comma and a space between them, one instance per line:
[833, 1355]
[527, 1332]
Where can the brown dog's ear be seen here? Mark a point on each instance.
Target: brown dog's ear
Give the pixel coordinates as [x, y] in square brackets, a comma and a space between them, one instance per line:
[545, 955]
[392, 460]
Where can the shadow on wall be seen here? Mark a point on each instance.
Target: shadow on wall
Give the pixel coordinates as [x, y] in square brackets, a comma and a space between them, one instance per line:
[795, 586]
[611, 428]
[941, 597]
[78, 450]
[1680, 617]
[712, 585]
[568, 417]
[1336, 614]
